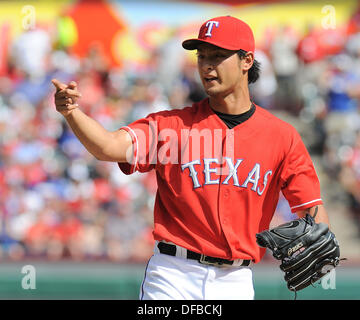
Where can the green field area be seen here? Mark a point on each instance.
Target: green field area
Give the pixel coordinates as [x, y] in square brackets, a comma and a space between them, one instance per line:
[111, 281]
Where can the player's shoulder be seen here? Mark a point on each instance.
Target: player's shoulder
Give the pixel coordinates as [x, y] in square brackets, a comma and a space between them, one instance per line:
[274, 122]
[178, 114]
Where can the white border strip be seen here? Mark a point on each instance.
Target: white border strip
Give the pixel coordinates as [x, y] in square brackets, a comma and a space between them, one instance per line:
[300, 205]
[137, 146]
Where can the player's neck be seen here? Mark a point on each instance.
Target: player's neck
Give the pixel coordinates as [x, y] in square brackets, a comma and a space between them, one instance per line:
[231, 104]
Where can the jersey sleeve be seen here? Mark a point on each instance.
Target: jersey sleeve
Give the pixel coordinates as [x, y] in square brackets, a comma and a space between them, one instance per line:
[144, 135]
[301, 186]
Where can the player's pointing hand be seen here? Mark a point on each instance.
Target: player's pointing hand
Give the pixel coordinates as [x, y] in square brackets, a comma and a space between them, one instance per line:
[66, 96]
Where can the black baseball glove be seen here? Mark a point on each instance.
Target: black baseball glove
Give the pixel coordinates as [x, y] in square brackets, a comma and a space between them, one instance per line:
[307, 250]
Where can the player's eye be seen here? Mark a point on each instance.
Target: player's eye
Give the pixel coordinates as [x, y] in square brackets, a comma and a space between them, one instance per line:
[220, 55]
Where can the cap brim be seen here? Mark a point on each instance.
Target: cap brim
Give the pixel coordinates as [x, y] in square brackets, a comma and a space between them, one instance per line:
[192, 44]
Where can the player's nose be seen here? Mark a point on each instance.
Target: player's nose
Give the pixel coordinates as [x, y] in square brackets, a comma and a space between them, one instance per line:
[206, 66]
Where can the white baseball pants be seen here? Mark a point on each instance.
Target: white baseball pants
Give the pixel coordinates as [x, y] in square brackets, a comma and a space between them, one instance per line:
[175, 278]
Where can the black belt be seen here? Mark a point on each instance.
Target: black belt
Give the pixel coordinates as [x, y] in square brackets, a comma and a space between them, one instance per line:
[170, 249]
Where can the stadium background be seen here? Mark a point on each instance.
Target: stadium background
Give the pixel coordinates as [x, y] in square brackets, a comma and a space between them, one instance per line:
[84, 226]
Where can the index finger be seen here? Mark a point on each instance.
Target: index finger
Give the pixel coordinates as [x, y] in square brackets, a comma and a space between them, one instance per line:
[58, 85]
[68, 93]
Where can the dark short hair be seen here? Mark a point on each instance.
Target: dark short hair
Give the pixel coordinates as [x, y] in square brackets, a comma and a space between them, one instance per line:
[254, 71]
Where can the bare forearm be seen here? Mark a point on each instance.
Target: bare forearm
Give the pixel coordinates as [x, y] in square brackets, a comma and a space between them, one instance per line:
[321, 214]
[91, 134]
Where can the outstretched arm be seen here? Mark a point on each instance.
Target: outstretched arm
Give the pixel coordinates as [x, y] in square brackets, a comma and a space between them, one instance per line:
[101, 143]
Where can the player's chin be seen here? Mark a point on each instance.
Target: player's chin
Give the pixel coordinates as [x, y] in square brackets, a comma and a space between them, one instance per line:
[212, 89]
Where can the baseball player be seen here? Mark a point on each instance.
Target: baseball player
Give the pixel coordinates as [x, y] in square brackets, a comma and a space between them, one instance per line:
[220, 167]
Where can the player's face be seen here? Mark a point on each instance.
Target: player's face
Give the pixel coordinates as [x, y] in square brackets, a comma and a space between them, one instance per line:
[220, 70]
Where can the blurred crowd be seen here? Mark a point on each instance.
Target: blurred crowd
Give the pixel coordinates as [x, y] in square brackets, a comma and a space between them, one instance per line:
[59, 202]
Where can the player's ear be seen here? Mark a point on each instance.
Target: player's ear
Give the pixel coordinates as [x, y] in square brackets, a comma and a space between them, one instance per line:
[248, 60]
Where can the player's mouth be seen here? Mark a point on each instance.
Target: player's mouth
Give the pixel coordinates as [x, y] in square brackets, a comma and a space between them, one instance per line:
[210, 79]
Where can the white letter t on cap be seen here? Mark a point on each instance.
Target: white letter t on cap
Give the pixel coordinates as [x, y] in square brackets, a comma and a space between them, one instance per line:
[210, 25]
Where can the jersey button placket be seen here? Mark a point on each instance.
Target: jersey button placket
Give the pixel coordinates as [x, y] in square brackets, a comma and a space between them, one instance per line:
[224, 211]
[229, 152]
[226, 197]
[224, 193]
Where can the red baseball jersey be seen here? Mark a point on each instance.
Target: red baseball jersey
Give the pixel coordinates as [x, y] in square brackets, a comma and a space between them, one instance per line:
[218, 187]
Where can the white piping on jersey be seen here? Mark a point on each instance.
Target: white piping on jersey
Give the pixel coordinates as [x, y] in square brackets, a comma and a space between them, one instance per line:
[300, 205]
[137, 146]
